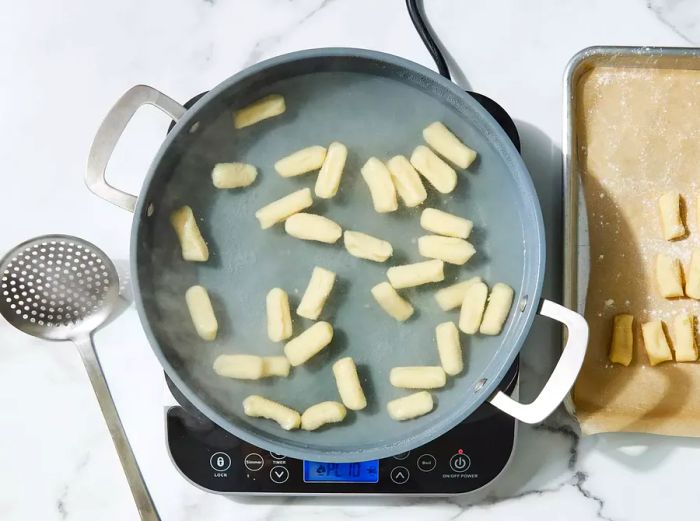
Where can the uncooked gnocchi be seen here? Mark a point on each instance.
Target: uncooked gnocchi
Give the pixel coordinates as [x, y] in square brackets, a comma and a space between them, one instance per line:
[301, 162]
[259, 407]
[672, 226]
[367, 247]
[202, 312]
[438, 173]
[684, 346]
[655, 342]
[449, 348]
[312, 227]
[416, 274]
[669, 277]
[233, 175]
[407, 181]
[622, 343]
[381, 187]
[411, 406]
[348, 382]
[448, 145]
[418, 377]
[191, 241]
[391, 302]
[317, 292]
[264, 108]
[692, 282]
[322, 414]
[497, 309]
[452, 296]
[279, 320]
[448, 249]
[309, 343]
[242, 367]
[275, 366]
[473, 308]
[280, 209]
[444, 223]
[328, 180]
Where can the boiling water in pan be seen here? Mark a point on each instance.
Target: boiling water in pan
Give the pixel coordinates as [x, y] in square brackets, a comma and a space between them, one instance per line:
[373, 116]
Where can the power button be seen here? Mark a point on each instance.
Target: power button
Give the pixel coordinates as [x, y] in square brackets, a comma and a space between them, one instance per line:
[460, 462]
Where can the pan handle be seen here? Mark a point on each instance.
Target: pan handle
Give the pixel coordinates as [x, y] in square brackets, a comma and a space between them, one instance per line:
[564, 375]
[108, 136]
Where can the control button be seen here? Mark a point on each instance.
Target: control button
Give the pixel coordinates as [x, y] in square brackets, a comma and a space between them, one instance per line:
[220, 461]
[402, 456]
[277, 456]
[279, 474]
[253, 462]
[399, 475]
[460, 462]
[426, 462]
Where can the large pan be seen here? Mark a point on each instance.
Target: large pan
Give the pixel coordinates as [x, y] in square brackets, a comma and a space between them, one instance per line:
[376, 104]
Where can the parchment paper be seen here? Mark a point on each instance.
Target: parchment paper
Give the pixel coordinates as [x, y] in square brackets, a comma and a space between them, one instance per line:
[639, 136]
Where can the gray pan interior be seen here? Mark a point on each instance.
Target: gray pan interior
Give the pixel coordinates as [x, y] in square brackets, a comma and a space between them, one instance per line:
[377, 105]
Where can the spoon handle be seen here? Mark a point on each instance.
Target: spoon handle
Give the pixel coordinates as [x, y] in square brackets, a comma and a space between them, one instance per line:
[144, 503]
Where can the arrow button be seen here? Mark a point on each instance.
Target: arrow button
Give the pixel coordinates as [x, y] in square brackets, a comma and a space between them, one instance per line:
[279, 474]
[399, 475]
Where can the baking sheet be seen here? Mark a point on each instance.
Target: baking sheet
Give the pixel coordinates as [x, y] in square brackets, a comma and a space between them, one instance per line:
[637, 134]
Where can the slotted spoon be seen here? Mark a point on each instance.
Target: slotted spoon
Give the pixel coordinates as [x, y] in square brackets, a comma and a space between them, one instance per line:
[59, 287]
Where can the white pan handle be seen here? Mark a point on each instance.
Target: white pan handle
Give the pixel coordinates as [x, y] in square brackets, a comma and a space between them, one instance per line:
[108, 136]
[564, 374]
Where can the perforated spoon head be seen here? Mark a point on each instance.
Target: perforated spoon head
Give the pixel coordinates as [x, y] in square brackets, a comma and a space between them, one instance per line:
[57, 287]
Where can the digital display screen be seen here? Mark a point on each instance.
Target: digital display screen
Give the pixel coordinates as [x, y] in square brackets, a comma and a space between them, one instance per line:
[363, 472]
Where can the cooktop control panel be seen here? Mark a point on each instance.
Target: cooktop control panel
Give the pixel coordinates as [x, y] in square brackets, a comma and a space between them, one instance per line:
[463, 460]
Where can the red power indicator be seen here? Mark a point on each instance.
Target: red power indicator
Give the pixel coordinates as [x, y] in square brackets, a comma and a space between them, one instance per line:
[460, 451]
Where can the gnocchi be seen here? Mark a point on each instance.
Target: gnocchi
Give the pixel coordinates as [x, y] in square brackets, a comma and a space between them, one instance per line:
[411, 406]
[301, 162]
[472, 310]
[622, 343]
[202, 312]
[316, 294]
[191, 241]
[407, 181]
[312, 227]
[672, 226]
[280, 209]
[264, 108]
[448, 145]
[684, 345]
[348, 383]
[275, 366]
[655, 342]
[418, 377]
[391, 302]
[233, 175]
[444, 223]
[279, 320]
[497, 309]
[669, 277]
[452, 296]
[438, 173]
[365, 246]
[328, 180]
[381, 187]
[692, 283]
[309, 343]
[449, 348]
[448, 249]
[242, 367]
[416, 274]
[258, 407]
[322, 414]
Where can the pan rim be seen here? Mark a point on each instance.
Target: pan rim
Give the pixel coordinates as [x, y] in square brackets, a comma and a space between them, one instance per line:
[497, 367]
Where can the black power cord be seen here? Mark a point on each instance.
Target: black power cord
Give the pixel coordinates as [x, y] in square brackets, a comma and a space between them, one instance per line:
[418, 18]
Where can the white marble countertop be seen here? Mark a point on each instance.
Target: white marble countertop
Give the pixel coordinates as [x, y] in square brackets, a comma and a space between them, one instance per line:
[65, 63]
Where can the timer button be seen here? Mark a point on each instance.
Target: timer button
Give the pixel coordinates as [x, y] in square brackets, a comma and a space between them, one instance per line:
[220, 461]
[460, 462]
[253, 462]
[277, 456]
[426, 462]
[399, 475]
[403, 455]
[279, 474]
